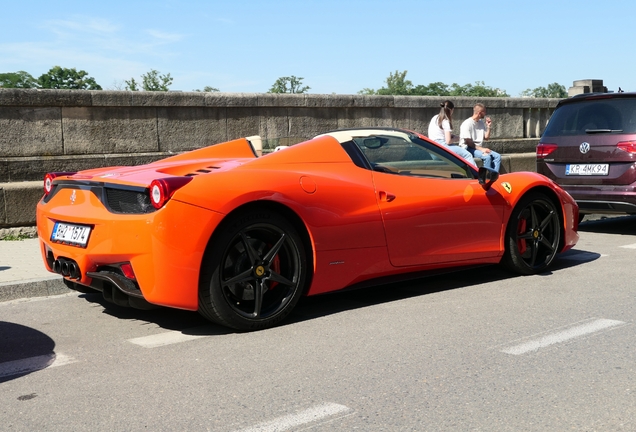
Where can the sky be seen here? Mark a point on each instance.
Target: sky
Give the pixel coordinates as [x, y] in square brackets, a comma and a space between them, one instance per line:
[335, 46]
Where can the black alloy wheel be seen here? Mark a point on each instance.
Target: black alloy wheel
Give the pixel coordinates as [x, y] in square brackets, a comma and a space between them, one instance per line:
[254, 272]
[533, 235]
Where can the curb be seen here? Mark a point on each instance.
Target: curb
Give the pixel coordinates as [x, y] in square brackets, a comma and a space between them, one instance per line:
[32, 288]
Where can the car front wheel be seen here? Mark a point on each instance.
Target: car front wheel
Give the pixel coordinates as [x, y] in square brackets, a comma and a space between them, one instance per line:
[533, 235]
[254, 271]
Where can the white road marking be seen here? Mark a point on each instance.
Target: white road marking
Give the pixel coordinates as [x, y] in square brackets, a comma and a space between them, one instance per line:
[32, 364]
[163, 339]
[300, 418]
[631, 246]
[562, 336]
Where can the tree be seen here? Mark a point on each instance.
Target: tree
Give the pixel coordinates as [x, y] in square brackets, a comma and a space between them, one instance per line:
[290, 84]
[20, 79]
[63, 78]
[396, 84]
[478, 90]
[554, 90]
[433, 89]
[207, 89]
[150, 81]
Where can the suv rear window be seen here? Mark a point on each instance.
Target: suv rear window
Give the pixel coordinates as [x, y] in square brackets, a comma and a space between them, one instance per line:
[593, 116]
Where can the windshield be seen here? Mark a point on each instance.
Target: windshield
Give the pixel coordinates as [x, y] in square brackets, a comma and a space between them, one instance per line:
[594, 116]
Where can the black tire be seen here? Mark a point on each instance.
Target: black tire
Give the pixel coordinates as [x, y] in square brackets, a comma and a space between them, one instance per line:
[254, 271]
[533, 235]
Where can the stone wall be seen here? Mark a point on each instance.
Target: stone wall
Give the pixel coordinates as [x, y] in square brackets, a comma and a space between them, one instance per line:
[70, 130]
[67, 130]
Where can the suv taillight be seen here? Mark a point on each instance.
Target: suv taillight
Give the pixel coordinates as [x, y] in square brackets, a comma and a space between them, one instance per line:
[628, 146]
[544, 150]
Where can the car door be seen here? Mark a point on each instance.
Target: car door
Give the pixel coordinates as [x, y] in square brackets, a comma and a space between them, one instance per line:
[434, 211]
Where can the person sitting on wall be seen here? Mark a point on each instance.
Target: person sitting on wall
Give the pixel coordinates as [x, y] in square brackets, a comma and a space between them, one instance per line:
[473, 132]
[440, 130]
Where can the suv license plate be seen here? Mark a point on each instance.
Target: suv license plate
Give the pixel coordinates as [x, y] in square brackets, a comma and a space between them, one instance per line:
[76, 235]
[587, 169]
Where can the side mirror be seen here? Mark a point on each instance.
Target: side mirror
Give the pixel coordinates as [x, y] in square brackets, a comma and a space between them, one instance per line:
[487, 177]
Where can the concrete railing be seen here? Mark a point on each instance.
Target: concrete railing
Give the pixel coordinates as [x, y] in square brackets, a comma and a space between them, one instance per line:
[70, 130]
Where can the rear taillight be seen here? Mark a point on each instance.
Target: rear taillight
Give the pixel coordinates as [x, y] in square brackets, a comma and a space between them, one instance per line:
[543, 150]
[48, 180]
[161, 190]
[628, 146]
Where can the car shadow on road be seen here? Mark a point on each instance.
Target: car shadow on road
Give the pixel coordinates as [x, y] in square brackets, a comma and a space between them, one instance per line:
[308, 308]
[331, 303]
[624, 225]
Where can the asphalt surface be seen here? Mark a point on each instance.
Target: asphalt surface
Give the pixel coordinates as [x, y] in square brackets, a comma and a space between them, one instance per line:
[484, 350]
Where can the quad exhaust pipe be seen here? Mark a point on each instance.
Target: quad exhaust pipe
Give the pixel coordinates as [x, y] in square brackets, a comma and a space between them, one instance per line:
[67, 268]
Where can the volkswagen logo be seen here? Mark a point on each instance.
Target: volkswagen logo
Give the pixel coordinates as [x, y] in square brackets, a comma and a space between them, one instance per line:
[584, 147]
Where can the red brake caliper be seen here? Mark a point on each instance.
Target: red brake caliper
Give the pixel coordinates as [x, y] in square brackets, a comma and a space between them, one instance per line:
[521, 243]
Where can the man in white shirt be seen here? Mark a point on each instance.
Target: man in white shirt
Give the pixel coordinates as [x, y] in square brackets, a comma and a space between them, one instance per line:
[473, 132]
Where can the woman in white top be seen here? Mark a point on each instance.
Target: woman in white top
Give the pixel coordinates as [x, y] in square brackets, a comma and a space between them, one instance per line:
[440, 130]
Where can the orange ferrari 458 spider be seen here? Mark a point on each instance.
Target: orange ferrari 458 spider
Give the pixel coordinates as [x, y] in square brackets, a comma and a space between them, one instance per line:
[241, 237]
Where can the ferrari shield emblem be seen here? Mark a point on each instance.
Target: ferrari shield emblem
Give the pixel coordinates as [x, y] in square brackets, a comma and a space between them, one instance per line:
[507, 187]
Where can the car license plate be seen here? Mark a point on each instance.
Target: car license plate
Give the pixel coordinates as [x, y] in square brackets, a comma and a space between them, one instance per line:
[76, 235]
[587, 169]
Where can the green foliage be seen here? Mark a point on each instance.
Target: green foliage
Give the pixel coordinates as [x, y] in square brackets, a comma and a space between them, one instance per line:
[290, 84]
[478, 90]
[554, 90]
[397, 84]
[150, 81]
[20, 79]
[207, 89]
[15, 237]
[63, 78]
[433, 89]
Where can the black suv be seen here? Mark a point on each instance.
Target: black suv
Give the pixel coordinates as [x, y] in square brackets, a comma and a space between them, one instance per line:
[589, 148]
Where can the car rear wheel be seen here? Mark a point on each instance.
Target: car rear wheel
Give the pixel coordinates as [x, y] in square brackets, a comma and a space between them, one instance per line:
[254, 271]
[533, 235]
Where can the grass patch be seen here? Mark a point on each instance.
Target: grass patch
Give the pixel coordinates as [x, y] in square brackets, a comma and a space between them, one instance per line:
[16, 237]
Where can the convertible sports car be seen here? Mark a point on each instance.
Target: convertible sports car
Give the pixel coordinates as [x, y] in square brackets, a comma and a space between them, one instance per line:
[241, 238]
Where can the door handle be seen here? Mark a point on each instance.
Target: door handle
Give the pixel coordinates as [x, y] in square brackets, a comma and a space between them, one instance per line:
[385, 196]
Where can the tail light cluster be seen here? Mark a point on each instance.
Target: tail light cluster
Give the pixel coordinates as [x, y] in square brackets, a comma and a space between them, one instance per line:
[48, 180]
[543, 150]
[161, 190]
[628, 146]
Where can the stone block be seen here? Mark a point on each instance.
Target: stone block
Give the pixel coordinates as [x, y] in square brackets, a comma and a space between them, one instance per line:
[519, 162]
[20, 200]
[244, 122]
[4, 171]
[306, 123]
[220, 99]
[182, 129]
[166, 99]
[44, 98]
[30, 131]
[112, 98]
[272, 123]
[3, 207]
[110, 130]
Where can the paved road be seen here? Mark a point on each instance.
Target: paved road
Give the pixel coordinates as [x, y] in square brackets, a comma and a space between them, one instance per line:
[483, 350]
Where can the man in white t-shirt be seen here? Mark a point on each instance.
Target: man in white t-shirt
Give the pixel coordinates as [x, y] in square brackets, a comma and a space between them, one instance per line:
[473, 132]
